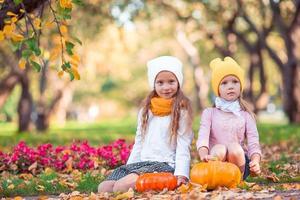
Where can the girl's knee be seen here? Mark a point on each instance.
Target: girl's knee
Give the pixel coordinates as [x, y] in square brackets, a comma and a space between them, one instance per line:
[125, 183]
[219, 151]
[235, 150]
[106, 186]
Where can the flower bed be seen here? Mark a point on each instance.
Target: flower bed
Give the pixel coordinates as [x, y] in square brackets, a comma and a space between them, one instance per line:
[79, 155]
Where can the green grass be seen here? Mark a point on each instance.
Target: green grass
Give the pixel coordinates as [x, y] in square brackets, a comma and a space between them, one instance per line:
[96, 133]
[273, 133]
[106, 131]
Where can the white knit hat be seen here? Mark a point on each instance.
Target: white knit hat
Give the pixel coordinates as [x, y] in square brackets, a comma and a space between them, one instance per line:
[164, 63]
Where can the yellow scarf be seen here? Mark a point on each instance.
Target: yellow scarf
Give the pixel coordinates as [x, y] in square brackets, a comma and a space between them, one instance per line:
[160, 106]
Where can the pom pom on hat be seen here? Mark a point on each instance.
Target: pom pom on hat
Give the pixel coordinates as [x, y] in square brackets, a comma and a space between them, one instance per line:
[220, 69]
[164, 63]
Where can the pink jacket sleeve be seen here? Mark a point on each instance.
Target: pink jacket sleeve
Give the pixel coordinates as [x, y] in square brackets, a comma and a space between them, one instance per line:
[252, 136]
[205, 128]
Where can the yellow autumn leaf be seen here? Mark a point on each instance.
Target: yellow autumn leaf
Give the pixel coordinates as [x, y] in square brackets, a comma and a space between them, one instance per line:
[185, 188]
[76, 74]
[60, 74]
[44, 197]
[14, 19]
[37, 23]
[75, 59]
[33, 58]
[7, 21]
[1, 35]
[9, 13]
[18, 198]
[48, 170]
[54, 53]
[126, 195]
[22, 63]
[63, 29]
[65, 3]
[11, 186]
[49, 24]
[8, 30]
[17, 37]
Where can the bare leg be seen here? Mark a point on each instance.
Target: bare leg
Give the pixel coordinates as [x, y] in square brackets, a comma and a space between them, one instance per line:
[125, 183]
[236, 155]
[106, 186]
[219, 151]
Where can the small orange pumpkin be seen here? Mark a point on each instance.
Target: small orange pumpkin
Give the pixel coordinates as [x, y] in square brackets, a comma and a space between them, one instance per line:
[215, 174]
[156, 181]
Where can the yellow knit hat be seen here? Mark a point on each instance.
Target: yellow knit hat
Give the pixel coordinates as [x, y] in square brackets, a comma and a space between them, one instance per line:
[220, 69]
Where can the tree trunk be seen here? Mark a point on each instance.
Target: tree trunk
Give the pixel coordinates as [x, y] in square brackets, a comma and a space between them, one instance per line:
[25, 104]
[7, 85]
[290, 88]
[42, 121]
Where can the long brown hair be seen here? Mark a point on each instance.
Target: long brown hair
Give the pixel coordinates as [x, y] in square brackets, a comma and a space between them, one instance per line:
[181, 102]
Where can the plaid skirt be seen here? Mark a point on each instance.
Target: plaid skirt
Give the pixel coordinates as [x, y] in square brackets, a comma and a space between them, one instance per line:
[139, 168]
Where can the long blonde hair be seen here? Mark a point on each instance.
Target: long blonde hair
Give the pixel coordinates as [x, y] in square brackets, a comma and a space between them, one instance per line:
[181, 102]
[245, 106]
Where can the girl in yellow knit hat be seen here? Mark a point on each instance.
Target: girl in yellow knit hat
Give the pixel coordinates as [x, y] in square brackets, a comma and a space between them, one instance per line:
[228, 130]
[164, 132]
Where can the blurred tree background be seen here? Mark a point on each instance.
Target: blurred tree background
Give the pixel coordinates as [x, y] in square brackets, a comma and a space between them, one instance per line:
[118, 38]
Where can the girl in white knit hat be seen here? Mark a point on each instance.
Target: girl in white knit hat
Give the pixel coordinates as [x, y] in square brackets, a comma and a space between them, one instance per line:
[164, 130]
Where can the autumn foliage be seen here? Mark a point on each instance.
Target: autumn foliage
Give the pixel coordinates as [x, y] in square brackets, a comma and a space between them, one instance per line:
[23, 30]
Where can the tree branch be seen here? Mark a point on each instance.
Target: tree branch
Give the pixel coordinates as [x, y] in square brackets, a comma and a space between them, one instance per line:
[9, 5]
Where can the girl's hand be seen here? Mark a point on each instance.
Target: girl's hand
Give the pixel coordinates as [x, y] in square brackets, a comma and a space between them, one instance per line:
[181, 180]
[254, 167]
[206, 158]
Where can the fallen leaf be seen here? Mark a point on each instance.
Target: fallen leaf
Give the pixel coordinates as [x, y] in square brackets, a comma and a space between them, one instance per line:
[40, 188]
[127, 195]
[277, 197]
[273, 177]
[256, 188]
[32, 167]
[25, 176]
[185, 188]
[11, 186]
[42, 197]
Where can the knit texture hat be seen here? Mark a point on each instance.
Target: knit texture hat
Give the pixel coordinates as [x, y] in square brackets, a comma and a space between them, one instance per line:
[220, 69]
[164, 63]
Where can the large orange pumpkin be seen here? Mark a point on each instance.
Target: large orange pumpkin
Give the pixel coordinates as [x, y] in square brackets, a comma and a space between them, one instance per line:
[156, 181]
[215, 174]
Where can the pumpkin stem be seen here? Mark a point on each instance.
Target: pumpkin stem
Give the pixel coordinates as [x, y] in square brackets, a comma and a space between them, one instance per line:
[215, 158]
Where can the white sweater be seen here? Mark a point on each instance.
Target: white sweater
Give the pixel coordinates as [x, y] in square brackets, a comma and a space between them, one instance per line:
[156, 144]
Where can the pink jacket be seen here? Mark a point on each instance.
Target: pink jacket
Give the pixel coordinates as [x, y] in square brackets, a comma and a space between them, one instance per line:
[219, 127]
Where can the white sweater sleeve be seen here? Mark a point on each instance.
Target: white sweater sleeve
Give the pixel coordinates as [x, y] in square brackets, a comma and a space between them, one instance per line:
[183, 156]
[135, 155]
